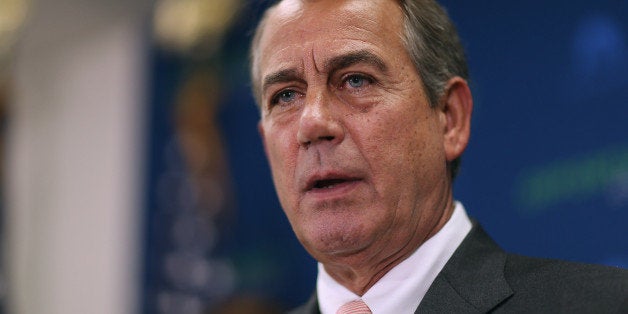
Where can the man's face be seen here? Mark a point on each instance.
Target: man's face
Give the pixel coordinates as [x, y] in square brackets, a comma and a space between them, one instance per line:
[355, 150]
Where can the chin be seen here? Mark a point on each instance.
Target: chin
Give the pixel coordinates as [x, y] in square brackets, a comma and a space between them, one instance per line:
[329, 242]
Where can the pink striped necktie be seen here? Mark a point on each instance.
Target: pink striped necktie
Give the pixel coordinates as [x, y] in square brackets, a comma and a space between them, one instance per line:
[354, 307]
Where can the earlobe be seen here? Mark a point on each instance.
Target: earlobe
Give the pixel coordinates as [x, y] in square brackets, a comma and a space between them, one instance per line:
[457, 107]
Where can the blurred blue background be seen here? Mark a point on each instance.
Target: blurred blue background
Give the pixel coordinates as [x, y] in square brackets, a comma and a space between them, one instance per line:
[546, 172]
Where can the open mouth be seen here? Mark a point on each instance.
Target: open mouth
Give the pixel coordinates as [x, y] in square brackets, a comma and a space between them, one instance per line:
[329, 183]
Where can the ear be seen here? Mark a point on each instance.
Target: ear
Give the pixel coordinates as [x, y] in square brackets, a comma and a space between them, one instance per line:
[456, 107]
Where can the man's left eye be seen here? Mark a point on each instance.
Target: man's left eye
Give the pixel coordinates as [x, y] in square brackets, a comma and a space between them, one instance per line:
[357, 81]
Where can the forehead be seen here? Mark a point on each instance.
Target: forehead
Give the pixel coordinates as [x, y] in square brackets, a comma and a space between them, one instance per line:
[298, 29]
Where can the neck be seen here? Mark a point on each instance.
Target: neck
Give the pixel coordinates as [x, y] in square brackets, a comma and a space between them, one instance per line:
[361, 275]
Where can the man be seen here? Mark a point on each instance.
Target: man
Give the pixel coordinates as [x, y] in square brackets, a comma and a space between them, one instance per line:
[365, 113]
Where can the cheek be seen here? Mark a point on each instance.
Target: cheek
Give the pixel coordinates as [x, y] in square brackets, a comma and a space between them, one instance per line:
[396, 138]
[281, 157]
[402, 148]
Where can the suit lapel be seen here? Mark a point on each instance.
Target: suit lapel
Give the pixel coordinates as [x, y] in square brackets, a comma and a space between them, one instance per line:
[472, 280]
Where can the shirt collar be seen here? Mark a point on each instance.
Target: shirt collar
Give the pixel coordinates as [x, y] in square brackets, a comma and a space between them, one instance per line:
[403, 287]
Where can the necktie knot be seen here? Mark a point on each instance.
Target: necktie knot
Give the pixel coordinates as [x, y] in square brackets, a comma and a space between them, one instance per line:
[354, 307]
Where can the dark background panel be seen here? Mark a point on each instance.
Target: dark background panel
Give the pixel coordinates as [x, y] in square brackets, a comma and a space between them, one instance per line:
[546, 171]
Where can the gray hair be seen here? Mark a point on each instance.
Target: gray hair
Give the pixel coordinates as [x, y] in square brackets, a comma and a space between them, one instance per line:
[431, 40]
[433, 44]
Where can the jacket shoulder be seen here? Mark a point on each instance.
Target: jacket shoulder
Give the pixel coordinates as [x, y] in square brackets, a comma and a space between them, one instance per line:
[565, 286]
[481, 277]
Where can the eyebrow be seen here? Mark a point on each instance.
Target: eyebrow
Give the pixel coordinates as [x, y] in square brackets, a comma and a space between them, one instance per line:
[355, 57]
[282, 76]
[331, 65]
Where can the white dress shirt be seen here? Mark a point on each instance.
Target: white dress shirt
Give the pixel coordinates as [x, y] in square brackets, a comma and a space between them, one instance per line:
[403, 287]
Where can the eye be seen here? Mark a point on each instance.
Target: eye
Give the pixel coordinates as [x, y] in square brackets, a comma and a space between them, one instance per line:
[284, 96]
[357, 81]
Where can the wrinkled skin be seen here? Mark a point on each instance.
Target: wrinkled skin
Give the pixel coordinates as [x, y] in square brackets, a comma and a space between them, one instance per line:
[358, 156]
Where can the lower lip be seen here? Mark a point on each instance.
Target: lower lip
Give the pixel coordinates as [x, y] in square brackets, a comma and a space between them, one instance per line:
[335, 191]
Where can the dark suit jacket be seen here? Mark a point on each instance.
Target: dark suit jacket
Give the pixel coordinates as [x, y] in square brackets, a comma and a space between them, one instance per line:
[480, 278]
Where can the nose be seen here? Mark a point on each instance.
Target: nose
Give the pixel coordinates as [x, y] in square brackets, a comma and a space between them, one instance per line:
[319, 122]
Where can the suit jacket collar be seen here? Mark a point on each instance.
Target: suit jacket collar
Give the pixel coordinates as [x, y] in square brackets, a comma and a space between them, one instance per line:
[472, 280]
